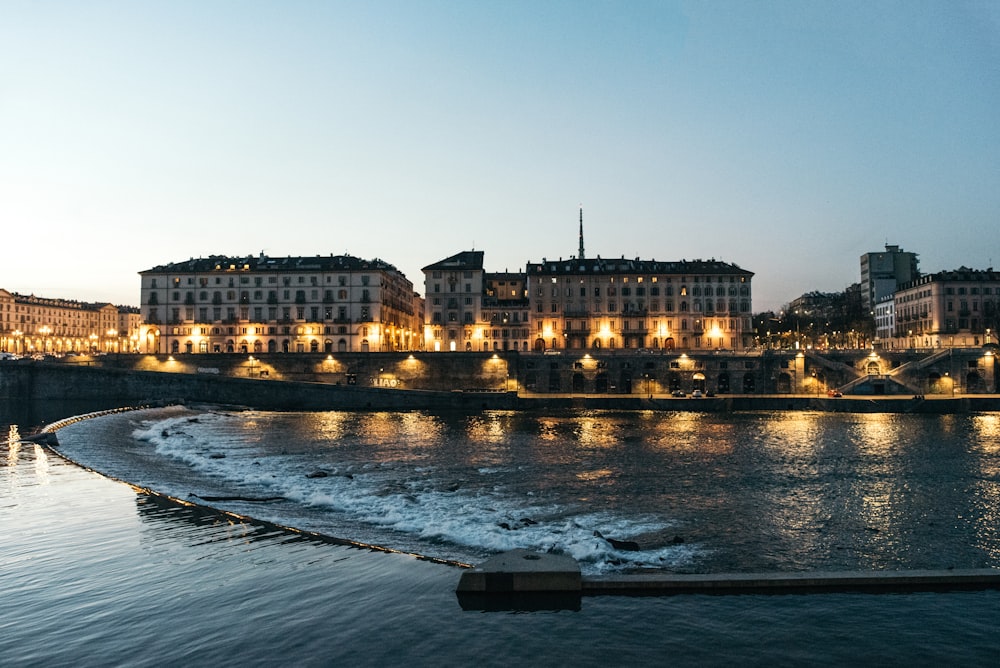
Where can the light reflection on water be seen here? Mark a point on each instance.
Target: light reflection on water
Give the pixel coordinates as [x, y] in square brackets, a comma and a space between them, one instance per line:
[113, 574]
[744, 492]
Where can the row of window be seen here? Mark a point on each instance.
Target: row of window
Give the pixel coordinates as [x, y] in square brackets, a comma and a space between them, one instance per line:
[654, 291]
[696, 305]
[258, 295]
[259, 280]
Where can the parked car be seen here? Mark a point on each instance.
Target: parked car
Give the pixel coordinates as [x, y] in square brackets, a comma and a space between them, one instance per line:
[697, 394]
[678, 393]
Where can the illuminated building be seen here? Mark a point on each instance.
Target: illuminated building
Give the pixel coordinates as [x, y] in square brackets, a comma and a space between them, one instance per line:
[959, 308]
[30, 324]
[594, 303]
[292, 304]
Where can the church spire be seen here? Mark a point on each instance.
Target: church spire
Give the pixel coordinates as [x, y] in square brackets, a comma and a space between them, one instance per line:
[581, 254]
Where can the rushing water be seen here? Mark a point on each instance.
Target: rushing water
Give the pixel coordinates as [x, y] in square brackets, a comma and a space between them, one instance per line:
[93, 573]
[698, 492]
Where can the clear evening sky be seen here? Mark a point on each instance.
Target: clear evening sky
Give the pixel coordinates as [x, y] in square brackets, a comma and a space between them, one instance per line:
[786, 137]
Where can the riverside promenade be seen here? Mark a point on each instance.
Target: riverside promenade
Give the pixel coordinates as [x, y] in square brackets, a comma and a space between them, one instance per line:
[111, 387]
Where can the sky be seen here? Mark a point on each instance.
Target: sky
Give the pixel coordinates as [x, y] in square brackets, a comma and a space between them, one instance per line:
[788, 138]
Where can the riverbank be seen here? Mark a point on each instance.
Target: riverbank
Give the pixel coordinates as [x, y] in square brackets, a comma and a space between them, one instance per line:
[102, 387]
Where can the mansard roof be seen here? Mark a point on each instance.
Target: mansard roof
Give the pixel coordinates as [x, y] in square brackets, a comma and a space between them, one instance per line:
[465, 260]
[601, 265]
[960, 275]
[261, 263]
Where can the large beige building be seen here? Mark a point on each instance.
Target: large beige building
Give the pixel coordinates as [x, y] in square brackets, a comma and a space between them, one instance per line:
[594, 303]
[958, 308]
[292, 304]
[585, 303]
[30, 324]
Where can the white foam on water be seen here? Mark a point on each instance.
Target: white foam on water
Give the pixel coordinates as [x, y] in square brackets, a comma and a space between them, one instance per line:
[399, 498]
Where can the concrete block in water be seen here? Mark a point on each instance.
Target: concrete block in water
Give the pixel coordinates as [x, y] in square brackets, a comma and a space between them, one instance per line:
[523, 571]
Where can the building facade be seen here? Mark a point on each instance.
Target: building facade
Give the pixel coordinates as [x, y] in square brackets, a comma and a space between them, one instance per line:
[959, 308]
[883, 272]
[292, 304]
[454, 291]
[585, 303]
[30, 324]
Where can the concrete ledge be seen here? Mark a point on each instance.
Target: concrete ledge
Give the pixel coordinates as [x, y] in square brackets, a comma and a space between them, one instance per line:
[522, 571]
[524, 580]
[792, 583]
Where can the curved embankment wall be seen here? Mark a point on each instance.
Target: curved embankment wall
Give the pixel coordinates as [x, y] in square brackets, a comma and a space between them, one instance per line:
[44, 382]
[112, 387]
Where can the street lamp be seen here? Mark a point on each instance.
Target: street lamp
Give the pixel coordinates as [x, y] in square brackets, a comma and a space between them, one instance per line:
[45, 330]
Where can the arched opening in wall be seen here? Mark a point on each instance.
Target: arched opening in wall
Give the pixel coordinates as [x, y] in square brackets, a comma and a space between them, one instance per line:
[188, 347]
[151, 342]
[175, 346]
[230, 346]
[272, 345]
[674, 381]
[313, 346]
[284, 345]
[539, 344]
[244, 348]
[328, 346]
[468, 346]
[257, 347]
[974, 382]
[601, 383]
[578, 382]
[597, 343]
[203, 346]
[784, 383]
[723, 382]
[555, 382]
[555, 343]
[341, 346]
[749, 384]
[656, 343]
[611, 342]
[872, 368]
[530, 381]
[364, 346]
[698, 382]
[935, 385]
[627, 383]
[684, 342]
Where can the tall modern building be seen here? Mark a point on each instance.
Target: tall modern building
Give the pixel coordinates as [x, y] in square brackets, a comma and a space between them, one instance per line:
[292, 304]
[882, 273]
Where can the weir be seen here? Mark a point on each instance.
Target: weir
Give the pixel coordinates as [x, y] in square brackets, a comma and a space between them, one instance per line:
[524, 580]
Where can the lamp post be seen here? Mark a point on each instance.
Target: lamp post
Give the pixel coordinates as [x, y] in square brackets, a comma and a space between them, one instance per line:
[45, 330]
